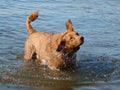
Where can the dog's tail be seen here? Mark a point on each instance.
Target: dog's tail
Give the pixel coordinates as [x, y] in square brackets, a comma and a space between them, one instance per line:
[33, 16]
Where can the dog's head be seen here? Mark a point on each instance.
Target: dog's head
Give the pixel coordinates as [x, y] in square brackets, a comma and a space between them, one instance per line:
[70, 40]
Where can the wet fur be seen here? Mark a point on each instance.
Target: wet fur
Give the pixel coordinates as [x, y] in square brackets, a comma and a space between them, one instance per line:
[58, 50]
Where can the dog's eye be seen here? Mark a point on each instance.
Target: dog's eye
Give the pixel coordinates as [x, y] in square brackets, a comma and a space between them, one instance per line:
[77, 33]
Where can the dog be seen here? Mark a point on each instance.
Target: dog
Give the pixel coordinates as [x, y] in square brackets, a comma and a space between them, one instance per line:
[56, 50]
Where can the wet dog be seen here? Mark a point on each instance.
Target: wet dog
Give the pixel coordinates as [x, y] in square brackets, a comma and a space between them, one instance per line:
[57, 50]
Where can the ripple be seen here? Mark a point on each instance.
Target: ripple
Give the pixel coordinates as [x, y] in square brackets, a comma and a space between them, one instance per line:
[98, 60]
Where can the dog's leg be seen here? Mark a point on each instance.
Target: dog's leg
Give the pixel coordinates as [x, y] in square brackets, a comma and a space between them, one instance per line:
[29, 51]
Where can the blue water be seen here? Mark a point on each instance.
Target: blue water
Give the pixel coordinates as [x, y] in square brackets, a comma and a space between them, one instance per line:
[98, 66]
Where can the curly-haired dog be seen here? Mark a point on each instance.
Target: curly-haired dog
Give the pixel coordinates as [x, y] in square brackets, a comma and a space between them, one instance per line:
[57, 50]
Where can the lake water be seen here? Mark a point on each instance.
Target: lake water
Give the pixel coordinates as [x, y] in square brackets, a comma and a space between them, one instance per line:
[98, 66]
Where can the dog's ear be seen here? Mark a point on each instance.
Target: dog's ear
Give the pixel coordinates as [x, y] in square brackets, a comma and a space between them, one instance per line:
[69, 26]
[61, 46]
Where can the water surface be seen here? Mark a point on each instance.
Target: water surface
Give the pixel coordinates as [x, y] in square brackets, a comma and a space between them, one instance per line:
[98, 66]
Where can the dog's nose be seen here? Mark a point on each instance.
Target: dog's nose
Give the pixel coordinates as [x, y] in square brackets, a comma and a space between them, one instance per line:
[82, 38]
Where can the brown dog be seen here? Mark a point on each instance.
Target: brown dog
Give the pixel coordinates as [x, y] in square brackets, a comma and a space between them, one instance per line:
[55, 50]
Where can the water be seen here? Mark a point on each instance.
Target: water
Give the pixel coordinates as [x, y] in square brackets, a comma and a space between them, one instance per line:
[98, 59]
